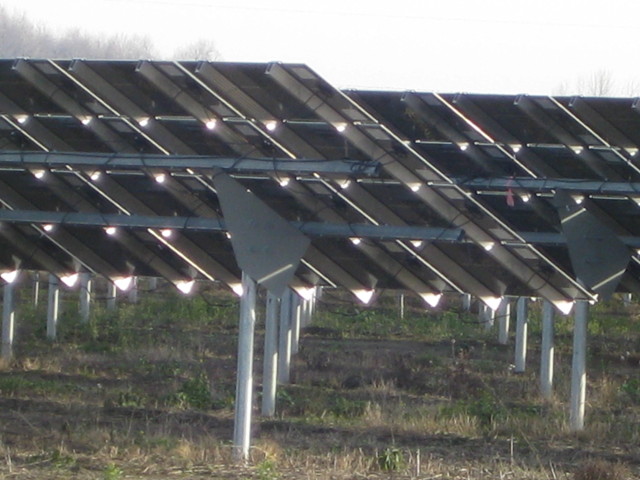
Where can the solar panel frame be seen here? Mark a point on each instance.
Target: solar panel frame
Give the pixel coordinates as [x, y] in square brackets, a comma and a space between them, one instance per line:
[126, 106]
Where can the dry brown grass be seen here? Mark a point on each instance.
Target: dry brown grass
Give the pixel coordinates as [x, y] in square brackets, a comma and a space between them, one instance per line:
[69, 411]
[601, 470]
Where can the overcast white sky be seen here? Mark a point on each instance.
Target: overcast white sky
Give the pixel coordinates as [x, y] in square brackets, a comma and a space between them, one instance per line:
[480, 46]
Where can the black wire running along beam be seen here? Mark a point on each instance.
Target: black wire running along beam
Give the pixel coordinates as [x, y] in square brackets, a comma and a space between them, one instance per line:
[196, 162]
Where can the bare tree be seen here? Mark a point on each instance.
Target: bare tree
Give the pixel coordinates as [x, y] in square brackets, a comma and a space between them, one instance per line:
[20, 37]
[202, 49]
[562, 89]
[632, 88]
[599, 84]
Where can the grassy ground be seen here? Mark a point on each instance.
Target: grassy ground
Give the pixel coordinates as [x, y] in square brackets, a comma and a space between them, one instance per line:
[147, 392]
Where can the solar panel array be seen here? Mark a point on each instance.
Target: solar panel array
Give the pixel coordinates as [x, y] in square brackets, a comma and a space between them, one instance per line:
[423, 192]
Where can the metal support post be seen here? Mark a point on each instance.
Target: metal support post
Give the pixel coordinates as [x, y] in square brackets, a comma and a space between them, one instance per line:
[306, 313]
[53, 306]
[522, 320]
[284, 344]
[296, 318]
[546, 360]
[8, 319]
[487, 316]
[307, 309]
[401, 300]
[112, 293]
[132, 294]
[244, 383]
[504, 316]
[153, 283]
[578, 366]
[85, 296]
[36, 288]
[466, 302]
[270, 365]
[627, 298]
[315, 296]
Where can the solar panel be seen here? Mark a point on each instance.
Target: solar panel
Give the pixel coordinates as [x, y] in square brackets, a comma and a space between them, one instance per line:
[431, 161]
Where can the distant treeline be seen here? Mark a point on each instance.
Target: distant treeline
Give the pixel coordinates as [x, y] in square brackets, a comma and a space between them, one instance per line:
[21, 37]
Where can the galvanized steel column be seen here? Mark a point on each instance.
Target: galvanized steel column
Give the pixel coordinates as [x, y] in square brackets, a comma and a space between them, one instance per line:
[284, 345]
[132, 295]
[487, 316]
[244, 383]
[578, 366]
[53, 307]
[296, 318]
[270, 365]
[306, 312]
[36, 288]
[504, 315]
[85, 296]
[8, 318]
[522, 320]
[546, 360]
[112, 293]
[466, 302]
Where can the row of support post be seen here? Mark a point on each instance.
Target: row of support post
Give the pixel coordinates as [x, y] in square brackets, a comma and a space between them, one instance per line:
[282, 331]
[53, 304]
[284, 317]
[578, 366]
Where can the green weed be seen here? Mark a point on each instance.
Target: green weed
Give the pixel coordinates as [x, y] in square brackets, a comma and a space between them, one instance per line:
[130, 399]
[632, 388]
[18, 385]
[284, 398]
[61, 460]
[196, 393]
[384, 323]
[485, 408]
[112, 472]
[390, 460]
[266, 470]
[346, 407]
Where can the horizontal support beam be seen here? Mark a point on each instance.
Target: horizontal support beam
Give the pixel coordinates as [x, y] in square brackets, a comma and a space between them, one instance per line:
[379, 232]
[316, 229]
[603, 187]
[108, 161]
